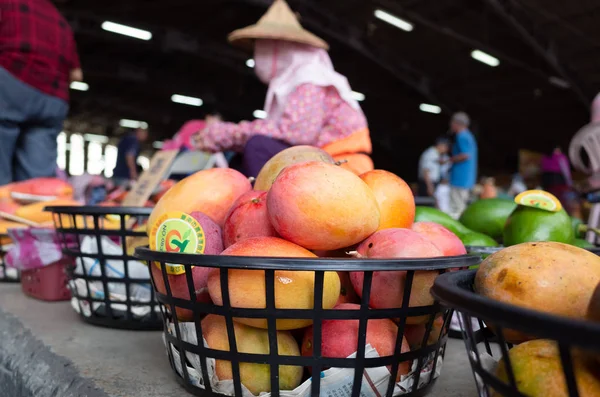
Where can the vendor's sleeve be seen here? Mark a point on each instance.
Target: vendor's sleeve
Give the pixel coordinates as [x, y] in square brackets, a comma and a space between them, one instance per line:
[300, 124]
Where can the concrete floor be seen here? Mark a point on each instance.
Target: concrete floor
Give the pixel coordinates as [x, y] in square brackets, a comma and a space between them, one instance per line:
[120, 363]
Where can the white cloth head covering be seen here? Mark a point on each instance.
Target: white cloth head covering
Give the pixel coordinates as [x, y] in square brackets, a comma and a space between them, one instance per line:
[285, 65]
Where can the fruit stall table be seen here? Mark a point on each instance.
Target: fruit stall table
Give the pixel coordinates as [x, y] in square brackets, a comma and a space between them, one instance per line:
[49, 351]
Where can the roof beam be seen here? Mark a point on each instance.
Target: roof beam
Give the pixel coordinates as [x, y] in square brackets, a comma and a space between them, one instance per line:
[545, 51]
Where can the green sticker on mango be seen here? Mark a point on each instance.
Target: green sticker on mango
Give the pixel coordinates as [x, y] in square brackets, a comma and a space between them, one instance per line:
[177, 232]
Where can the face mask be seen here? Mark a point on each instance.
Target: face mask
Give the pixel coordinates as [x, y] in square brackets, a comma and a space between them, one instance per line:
[265, 60]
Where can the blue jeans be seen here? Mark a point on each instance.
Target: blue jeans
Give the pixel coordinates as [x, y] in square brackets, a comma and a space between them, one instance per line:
[30, 121]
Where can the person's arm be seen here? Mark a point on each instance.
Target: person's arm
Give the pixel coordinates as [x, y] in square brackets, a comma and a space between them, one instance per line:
[464, 148]
[132, 166]
[76, 75]
[220, 160]
[300, 124]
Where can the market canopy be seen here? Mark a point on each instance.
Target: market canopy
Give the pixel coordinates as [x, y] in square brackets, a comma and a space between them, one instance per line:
[525, 71]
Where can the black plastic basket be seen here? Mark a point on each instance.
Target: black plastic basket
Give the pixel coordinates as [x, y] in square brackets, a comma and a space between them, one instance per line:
[3, 275]
[73, 224]
[595, 250]
[479, 250]
[456, 291]
[424, 357]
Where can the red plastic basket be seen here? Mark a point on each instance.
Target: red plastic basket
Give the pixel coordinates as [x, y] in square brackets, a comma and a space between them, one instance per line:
[48, 283]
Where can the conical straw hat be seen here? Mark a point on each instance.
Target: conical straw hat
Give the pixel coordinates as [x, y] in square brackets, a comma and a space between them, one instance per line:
[279, 23]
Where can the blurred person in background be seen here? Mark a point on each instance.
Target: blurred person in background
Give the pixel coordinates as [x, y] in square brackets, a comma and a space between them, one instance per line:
[442, 195]
[126, 170]
[557, 179]
[463, 173]
[182, 140]
[488, 188]
[517, 185]
[430, 167]
[307, 103]
[38, 61]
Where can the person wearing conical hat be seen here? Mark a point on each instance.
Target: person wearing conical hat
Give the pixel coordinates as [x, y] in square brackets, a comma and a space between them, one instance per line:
[308, 102]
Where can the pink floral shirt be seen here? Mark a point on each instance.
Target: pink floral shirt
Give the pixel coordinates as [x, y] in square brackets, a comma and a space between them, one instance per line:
[314, 116]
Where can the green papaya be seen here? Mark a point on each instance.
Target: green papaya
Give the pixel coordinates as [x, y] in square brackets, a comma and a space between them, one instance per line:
[528, 224]
[581, 243]
[475, 239]
[488, 216]
[577, 229]
[430, 214]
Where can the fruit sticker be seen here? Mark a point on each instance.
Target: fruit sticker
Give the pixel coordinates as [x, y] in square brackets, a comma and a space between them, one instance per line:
[177, 232]
[539, 199]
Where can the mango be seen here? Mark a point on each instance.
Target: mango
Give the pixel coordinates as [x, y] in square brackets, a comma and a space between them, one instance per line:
[52, 187]
[415, 333]
[35, 212]
[444, 239]
[387, 287]
[247, 218]
[394, 197]
[4, 226]
[293, 155]
[320, 206]
[132, 242]
[549, 277]
[178, 282]
[8, 205]
[293, 289]
[538, 371]
[339, 338]
[211, 191]
[256, 377]
[347, 293]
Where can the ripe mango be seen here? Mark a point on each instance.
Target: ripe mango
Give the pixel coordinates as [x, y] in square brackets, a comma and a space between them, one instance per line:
[539, 373]
[293, 289]
[256, 377]
[550, 277]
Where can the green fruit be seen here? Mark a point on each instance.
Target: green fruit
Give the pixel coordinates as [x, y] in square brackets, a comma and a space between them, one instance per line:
[576, 223]
[581, 243]
[528, 224]
[429, 214]
[488, 216]
[475, 239]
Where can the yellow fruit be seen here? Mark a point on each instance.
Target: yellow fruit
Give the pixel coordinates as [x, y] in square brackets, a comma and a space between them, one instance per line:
[293, 289]
[35, 212]
[256, 377]
[550, 277]
[539, 373]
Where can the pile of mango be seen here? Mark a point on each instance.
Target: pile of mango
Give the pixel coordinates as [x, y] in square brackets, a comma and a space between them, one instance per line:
[494, 222]
[552, 278]
[302, 205]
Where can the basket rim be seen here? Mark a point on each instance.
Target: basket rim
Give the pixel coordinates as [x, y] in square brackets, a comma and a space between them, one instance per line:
[97, 210]
[483, 249]
[453, 290]
[310, 264]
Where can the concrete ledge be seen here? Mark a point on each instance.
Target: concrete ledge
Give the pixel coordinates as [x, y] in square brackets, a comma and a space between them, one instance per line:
[46, 350]
[29, 369]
